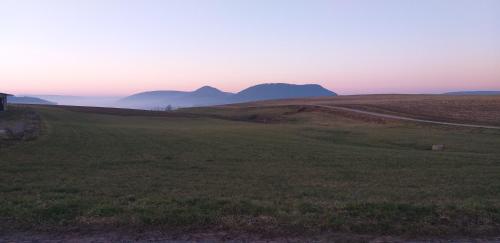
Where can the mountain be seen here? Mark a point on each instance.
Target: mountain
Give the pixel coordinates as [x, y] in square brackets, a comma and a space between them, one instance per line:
[207, 92]
[474, 93]
[150, 99]
[280, 91]
[28, 100]
[159, 99]
[207, 95]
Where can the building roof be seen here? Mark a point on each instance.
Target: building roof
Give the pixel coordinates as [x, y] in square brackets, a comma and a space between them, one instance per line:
[4, 94]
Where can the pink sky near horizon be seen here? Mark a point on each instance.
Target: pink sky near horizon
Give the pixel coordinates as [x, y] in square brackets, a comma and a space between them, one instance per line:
[117, 48]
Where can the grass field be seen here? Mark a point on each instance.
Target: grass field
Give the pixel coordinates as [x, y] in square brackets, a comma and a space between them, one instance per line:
[260, 169]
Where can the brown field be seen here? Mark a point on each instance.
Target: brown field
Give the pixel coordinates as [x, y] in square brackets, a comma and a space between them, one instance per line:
[482, 110]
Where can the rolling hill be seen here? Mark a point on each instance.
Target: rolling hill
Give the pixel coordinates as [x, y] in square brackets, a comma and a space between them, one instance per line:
[157, 99]
[474, 93]
[274, 91]
[206, 96]
[28, 100]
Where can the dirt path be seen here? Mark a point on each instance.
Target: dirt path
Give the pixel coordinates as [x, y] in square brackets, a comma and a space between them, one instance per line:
[406, 118]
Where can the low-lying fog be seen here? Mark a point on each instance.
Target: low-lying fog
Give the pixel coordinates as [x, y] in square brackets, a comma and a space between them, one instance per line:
[98, 101]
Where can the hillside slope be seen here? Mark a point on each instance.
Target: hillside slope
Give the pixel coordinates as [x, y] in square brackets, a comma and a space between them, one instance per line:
[28, 100]
[207, 96]
[280, 91]
[309, 173]
[473, 93]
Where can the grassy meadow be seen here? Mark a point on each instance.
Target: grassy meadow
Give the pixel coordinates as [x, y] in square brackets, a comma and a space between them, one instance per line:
[277, 171]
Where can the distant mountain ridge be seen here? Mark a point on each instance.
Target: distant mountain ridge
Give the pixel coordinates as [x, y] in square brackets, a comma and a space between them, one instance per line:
[28, 100]
[273, 91]
[473, 93]
[206, 95]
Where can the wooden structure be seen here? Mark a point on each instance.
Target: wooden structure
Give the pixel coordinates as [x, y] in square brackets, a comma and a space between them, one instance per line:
[3, 101]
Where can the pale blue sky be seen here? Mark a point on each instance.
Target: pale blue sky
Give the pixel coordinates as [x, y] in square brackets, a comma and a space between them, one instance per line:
[111, 47]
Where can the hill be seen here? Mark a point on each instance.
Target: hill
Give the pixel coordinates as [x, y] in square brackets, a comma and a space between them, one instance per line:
[473, 93]
[478, 109]
[28, 100]
[280, 91]
[150, 99]
[157, 99]
[206, 96]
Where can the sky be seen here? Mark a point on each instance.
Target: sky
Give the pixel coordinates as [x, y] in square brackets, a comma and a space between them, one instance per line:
[120, 47]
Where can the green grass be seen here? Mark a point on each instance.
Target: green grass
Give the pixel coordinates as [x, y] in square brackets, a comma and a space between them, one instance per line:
[309, 172]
